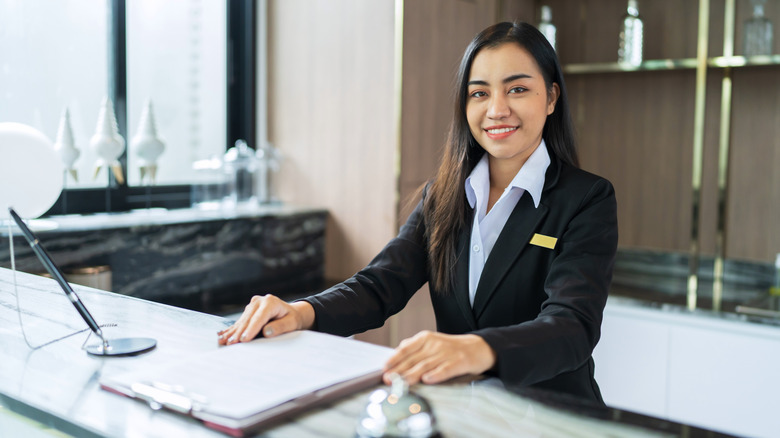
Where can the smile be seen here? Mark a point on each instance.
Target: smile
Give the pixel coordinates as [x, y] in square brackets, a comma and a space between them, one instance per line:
[499, 133]
[500, 130]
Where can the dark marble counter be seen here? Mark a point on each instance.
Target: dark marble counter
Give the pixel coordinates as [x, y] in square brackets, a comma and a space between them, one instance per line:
[200, 260]
[659, 280]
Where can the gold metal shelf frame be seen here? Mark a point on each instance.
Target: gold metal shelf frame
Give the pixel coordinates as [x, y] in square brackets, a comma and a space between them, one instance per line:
[728, 61]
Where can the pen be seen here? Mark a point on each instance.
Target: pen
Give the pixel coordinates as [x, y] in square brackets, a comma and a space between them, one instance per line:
[47, 262]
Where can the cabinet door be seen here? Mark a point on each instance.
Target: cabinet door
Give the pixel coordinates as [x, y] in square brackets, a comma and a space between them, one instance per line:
[726, 376]
[632, 360]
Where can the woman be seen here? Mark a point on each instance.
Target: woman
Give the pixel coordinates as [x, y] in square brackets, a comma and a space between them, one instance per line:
[516, 243]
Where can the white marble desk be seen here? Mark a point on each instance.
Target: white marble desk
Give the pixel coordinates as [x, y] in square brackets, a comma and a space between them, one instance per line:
[57, 385]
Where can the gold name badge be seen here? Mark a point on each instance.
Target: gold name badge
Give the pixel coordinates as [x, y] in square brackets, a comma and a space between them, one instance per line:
[544, 241]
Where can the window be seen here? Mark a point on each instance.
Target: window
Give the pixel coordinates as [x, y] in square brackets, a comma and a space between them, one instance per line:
[55, 57]
[176, 60]
[192, 59]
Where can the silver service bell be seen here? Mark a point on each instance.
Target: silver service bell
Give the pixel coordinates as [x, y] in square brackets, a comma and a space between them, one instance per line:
[396, 413]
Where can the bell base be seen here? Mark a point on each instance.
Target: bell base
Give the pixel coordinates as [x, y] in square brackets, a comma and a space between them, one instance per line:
[123, 346]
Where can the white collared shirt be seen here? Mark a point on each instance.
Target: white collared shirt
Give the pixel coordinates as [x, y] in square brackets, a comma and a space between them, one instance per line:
[487, 226]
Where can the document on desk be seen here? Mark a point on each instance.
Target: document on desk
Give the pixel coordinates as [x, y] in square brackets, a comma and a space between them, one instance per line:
[243, 387]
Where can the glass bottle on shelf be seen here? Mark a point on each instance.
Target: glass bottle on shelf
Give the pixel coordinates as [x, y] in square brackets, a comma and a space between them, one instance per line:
[546, 27]
[758, 31]
[631, 36]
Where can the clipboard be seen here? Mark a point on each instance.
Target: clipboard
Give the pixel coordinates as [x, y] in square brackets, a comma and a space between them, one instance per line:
[244, 388]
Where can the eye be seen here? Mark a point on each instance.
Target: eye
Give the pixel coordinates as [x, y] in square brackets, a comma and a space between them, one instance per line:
[517, 90]
[477, 94]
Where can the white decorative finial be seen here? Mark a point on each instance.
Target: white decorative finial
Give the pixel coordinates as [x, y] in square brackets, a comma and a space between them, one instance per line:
[107, 143]
[65, 146]
[147, 146]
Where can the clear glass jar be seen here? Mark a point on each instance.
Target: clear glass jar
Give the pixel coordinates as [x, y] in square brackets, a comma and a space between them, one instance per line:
[240, 166]
[210, 190]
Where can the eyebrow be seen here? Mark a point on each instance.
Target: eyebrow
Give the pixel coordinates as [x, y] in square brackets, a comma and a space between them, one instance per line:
[506, 80]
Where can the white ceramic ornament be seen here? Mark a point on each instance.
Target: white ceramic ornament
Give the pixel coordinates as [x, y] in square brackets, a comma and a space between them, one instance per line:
[65, 146]
[30, 171]
[107, 143]
[147, 146]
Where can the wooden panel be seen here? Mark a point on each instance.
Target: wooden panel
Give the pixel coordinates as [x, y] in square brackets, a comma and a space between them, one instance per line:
[332, 117]
[637, 131]
[521, 10]
[436, 33]
[753, 219]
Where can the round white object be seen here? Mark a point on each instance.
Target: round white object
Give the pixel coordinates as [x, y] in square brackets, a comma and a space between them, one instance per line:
[30, 171]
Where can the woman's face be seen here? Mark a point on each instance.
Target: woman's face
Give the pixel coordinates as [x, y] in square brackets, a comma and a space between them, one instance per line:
[508, 103]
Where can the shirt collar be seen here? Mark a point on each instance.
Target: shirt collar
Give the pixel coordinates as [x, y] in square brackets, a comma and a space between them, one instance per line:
[530, 177]
[478, 182]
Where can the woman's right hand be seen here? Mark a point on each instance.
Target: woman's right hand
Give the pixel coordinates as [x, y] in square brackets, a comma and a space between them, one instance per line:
[270, 315]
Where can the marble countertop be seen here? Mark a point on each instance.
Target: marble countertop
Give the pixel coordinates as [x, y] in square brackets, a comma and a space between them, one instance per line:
[50, 382]
[158, 216]
[756, 308]
[205, 260]
[660, 280]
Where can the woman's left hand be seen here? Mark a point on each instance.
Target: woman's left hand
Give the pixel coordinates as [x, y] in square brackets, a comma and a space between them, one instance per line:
[432, 357]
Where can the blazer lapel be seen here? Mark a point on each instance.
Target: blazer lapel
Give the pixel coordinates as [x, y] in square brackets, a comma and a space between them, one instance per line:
[516, 234]
[461, 289]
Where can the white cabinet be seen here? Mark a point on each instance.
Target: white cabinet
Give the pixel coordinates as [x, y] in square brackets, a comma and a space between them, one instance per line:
[631, 361]
[693, 368]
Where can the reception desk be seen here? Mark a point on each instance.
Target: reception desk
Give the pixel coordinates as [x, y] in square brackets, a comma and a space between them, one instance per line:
[49, 385]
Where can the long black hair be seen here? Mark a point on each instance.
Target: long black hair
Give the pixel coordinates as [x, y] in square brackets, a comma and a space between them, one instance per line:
[445, 210]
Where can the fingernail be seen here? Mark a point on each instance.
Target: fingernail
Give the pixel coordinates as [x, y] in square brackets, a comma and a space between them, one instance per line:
[232, 339]
[243, 337]
[269, 331]
[221, 337]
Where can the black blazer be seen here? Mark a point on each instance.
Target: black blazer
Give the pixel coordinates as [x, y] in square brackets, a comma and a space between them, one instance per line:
[539, 305]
